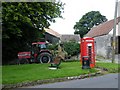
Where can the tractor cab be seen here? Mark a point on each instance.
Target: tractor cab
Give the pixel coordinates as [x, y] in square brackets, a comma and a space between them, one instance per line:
[39, 45]
[37, 48]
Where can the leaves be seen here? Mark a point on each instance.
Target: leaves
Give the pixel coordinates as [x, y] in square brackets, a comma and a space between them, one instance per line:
[72, 48]
[23, 23]
[88, 20]
[39, 13]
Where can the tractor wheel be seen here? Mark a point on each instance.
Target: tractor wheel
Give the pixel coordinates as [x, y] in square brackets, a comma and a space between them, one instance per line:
[44, 57]
[23, 61]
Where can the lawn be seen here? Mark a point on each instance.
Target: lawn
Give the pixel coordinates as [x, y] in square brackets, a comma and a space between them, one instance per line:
[13, 74]
[111, 67]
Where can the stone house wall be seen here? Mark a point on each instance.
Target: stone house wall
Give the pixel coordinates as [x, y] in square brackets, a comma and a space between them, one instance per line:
[103, 46]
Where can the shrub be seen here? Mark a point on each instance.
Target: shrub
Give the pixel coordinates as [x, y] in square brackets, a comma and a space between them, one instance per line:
[72, 48]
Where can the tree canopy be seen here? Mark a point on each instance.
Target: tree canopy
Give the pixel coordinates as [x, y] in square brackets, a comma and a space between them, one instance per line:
[34, 14]
[90, 19]
[23, 23]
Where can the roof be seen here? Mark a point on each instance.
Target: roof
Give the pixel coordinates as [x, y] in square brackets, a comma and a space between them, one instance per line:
[68, 37]
[52, 32]
[102, 29]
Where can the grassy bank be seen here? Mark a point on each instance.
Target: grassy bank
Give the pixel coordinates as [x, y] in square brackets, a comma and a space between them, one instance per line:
[23, 73]
[111, 67]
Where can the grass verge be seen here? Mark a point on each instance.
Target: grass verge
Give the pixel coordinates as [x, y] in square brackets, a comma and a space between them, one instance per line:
[110, 67]
[13, 74]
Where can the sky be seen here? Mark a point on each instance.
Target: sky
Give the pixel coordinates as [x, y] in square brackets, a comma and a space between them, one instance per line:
[75, 9]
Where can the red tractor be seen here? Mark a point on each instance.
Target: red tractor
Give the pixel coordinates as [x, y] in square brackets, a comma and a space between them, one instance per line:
[38, 54]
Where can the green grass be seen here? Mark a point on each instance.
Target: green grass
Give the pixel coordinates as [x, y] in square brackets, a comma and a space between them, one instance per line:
[13, 74]
[0, 74]
[111, 67]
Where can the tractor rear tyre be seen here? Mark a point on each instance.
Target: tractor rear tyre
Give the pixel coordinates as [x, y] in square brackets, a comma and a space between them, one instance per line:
[44, 57]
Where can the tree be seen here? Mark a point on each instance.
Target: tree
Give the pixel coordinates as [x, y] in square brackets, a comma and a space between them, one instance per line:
[23, 23]
[34, 14]
[87, 21]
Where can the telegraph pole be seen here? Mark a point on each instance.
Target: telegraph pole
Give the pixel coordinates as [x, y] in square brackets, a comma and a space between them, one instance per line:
[114, 32]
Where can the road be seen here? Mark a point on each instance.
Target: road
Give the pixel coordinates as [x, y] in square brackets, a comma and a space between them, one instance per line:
[105, 81]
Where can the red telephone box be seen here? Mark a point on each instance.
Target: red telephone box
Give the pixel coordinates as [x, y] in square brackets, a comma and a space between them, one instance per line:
[87, 52]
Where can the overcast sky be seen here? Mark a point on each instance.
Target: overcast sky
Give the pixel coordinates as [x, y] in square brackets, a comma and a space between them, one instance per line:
[75, 9]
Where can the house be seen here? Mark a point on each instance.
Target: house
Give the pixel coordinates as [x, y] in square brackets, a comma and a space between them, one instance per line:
[103, 35]
[51, 36]
[70, 37]
[103, 38]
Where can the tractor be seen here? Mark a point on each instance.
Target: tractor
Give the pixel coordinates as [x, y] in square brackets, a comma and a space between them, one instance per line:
[37, 54]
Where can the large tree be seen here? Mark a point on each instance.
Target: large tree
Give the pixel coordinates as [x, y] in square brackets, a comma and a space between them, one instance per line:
[23, 23]
[87, 21]
[34, 14]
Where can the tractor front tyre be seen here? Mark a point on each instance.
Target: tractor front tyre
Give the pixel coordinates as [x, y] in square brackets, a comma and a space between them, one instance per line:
[44, 58]
[23, 61]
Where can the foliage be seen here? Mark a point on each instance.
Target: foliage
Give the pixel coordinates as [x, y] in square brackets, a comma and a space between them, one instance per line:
[87, 21]
[35, 14]
[23, 22]
[52, 46]
[32, 72]
[72, 48]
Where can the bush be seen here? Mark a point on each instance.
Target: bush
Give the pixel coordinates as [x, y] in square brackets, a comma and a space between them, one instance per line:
[72, 48]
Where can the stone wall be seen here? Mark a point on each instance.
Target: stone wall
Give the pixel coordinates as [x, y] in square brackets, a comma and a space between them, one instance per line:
[103, 46]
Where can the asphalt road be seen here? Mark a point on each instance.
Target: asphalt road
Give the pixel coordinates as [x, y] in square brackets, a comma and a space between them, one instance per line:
[105, 81]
